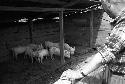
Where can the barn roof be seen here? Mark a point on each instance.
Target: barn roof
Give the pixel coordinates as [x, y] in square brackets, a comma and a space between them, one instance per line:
[13, 9]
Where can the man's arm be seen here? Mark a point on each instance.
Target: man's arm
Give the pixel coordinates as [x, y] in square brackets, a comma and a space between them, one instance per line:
[107, 52]
[95, 62]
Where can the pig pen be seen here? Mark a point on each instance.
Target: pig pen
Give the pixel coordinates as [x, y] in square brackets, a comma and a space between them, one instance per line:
[22, 71]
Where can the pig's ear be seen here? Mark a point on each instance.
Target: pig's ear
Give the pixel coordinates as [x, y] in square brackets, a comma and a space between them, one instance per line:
[74, 48]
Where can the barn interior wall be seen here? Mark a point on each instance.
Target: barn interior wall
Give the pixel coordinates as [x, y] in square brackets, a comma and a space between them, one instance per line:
[76, 33]
[104, 29]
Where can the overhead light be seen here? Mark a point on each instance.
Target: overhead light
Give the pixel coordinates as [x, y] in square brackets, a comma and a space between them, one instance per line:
[80, 12]
[56, 18]
[95, 0]
[34, 19]
[99, 7]
[23, 20]
[39, 18]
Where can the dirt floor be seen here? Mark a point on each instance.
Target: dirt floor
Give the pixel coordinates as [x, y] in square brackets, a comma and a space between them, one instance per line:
[22, 71]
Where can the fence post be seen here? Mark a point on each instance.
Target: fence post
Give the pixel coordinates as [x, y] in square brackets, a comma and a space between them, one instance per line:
[61, 37]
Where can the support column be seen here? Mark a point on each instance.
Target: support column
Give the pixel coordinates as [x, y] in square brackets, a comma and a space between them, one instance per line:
[61, 37]
[91, 29]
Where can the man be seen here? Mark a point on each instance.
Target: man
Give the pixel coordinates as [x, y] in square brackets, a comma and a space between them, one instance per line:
[111, 51]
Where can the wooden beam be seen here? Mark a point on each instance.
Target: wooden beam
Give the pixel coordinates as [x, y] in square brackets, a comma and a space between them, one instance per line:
[91, 29]
[35, 9]
[30, 9]
[61, 37]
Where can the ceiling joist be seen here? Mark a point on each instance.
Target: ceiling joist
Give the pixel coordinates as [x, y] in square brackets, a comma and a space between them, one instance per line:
[34, 9]
[28, 9]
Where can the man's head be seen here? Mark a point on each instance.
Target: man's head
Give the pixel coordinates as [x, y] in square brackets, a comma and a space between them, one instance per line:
[113, 7]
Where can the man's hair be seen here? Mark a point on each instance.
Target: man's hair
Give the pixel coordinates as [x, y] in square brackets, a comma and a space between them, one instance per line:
[115, 2]
[108, 4]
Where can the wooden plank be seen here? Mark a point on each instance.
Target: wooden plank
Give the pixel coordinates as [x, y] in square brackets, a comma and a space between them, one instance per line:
[36, 9]
[30, 9]
[61, 37]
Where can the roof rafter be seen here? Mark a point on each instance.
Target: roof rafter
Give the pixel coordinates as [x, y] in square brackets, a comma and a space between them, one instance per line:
[31, 9]
[34, 9]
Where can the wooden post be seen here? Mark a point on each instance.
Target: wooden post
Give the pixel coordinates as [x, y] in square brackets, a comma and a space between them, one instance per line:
[91, 29]
[61, 37]
[30, 30]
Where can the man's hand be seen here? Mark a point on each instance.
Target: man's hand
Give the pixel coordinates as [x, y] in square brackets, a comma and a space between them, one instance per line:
[71, 75]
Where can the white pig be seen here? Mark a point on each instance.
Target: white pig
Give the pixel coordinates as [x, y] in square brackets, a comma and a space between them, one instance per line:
[69, 48]
[41, 54]
[18, 50]
[49, 44]
[56, 51]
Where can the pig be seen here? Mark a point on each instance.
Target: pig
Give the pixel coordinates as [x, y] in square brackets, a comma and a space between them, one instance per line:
[40, 47]
[18, 50]
[41, 54]
[67, 53]
[56, 51]
[71, 49]
[30, 53]
[32, 49]
[33, 46]
[49, 44]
